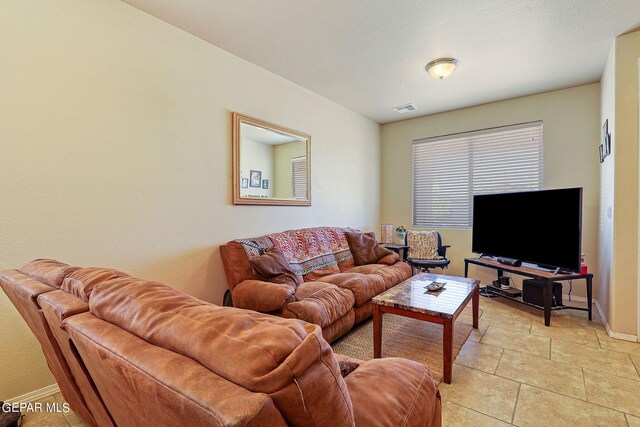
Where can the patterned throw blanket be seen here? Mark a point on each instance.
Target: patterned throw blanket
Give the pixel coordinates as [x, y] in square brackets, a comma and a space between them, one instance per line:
[309, 249]
[253, 246]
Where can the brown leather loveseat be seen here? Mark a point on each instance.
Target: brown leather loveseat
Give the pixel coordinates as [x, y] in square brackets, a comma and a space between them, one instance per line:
[130, 352]
[333, 292]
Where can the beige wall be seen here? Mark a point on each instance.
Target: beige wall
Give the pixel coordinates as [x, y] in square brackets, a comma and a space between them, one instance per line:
[625, 297]
[116, 151]
[620, 106]
[571, 134]
[607, 175]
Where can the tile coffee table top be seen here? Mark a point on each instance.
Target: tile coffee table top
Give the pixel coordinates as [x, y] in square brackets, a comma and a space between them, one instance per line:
[412, 295]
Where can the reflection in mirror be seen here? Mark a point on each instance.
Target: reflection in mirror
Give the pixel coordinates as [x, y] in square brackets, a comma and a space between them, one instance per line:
[271, 163]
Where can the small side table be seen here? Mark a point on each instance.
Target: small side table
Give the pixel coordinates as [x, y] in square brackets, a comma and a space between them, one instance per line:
[397, 249]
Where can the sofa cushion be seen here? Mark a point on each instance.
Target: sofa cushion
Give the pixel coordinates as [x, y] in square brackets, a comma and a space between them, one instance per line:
[340, 327]
[275, 268]
[389, 259]
[262, 296]
[365, 248]
[81, 282]
[148, 385]
[321, 272]
[321, 307]
[286, 359]
[48, 271]
[363, 286]
[365, 269]
[308, 288]
[394, 392]
[394, 274]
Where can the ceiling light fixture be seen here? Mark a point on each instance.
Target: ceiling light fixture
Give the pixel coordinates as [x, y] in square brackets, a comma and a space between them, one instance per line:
[441, 68]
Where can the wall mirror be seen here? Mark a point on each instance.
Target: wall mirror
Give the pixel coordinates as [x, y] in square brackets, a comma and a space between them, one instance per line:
[271, 164]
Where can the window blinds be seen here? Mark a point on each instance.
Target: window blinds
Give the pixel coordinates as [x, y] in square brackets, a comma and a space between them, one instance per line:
[449, 170]
[299, 174]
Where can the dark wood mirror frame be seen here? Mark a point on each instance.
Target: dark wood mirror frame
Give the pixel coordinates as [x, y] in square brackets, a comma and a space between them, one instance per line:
[238, 199]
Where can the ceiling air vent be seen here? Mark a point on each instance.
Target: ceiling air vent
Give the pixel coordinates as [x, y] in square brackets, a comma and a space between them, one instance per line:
[404, 108]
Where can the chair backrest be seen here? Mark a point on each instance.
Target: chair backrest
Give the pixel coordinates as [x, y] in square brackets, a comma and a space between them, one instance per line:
[24, 287]
[438, 249]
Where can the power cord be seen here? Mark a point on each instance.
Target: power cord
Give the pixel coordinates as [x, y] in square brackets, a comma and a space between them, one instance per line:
[570, 289]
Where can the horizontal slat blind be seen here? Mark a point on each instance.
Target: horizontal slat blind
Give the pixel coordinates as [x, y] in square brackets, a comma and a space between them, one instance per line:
[449, 170]
[299, 174]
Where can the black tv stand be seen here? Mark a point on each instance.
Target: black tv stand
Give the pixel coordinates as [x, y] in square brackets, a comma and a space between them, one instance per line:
[546, 277]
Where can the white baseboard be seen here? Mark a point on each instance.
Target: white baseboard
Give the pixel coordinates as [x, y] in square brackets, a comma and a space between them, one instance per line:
[612, 333]
[36, 394]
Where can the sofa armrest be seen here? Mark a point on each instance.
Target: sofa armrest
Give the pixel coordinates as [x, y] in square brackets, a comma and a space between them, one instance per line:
[262, 296]
[394, 392]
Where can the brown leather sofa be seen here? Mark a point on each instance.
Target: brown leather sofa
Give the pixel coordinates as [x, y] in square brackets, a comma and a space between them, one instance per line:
[335, 293]
[127, 351]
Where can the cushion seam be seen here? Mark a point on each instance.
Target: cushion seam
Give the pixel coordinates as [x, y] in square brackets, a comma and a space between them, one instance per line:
[404, 423]
[344, 397]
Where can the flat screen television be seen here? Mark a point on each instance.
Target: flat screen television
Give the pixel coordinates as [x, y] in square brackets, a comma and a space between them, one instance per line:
[538, 227]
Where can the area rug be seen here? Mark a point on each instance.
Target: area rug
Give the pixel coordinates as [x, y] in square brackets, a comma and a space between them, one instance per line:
[404, 337]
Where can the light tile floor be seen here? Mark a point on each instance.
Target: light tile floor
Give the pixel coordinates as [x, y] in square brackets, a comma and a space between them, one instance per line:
[516, 371]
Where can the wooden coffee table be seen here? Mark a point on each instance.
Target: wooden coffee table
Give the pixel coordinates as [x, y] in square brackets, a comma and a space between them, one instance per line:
[411, 299]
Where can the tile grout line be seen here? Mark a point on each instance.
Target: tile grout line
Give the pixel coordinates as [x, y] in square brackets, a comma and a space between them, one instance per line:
[579, 400]
[538, 386]
[477, 412]
[584, 383]
[515, 407]
[596, 345]
[498, 364]
[599, 341]
[635, 366]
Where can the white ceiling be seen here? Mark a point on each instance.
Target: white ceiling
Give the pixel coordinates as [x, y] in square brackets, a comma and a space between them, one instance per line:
[369, 55]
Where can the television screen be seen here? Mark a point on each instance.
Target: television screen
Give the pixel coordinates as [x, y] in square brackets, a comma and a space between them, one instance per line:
[539, 227]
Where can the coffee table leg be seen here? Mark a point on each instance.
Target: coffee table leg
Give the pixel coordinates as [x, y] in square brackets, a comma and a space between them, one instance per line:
[447, 350]
[377, 331]
[476, 305]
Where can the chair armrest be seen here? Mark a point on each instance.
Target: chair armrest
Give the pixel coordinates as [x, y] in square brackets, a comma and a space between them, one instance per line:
[443, 250]
[262, 296]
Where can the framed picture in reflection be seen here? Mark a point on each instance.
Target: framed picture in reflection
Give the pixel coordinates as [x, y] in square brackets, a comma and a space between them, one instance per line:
[255, 179]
